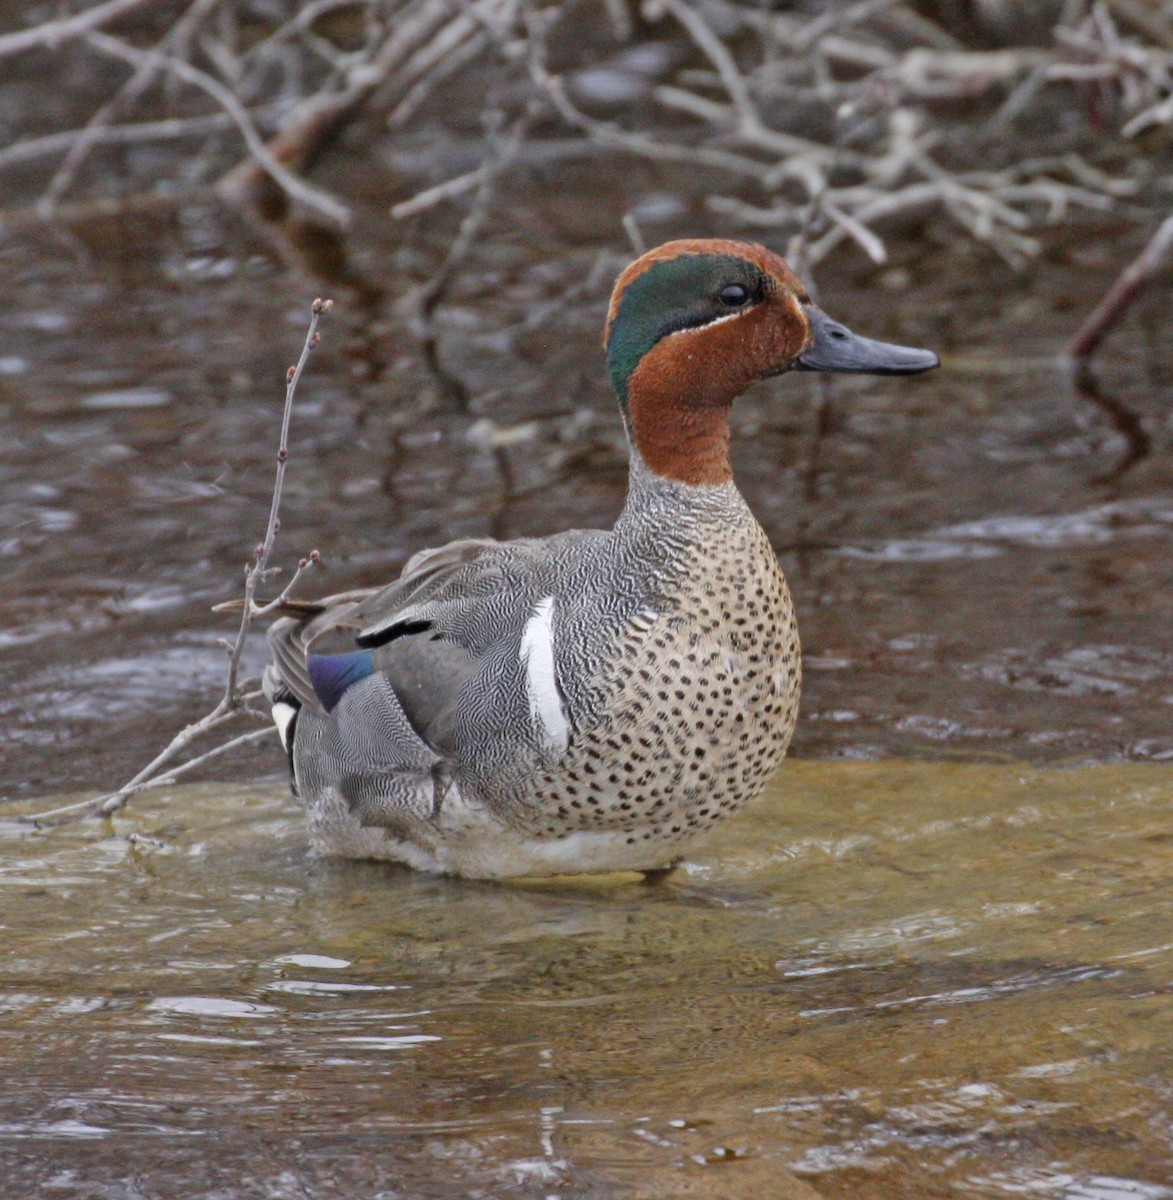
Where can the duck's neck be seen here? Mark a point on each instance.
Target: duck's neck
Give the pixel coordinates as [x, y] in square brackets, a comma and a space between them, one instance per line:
[677, 413]
[675, 508]
[681, 442]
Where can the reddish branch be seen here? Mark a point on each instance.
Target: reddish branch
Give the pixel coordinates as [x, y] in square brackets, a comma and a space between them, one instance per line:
[1129, 284]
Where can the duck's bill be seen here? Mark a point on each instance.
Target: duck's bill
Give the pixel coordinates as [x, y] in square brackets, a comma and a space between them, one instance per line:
[836, 348]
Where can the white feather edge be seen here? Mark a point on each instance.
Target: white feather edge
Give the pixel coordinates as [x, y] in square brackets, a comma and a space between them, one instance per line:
[283, 715]
[541, 686]
[676, 333]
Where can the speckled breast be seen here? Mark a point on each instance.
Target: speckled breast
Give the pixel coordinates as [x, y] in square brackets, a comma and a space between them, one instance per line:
[699, 702]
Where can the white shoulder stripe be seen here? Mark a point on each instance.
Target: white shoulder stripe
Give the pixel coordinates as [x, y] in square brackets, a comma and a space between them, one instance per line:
[541, 685]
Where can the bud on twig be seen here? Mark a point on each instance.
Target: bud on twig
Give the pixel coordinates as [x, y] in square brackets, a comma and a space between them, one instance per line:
[282, 454]
[290, 374]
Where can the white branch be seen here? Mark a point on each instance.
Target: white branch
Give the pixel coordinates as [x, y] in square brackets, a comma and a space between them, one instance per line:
[51, 34]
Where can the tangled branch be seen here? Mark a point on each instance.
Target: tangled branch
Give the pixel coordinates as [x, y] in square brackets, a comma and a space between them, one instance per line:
[840, 127]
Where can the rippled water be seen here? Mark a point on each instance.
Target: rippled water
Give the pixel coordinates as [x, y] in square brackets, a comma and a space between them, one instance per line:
[894, 980]
[971, 577]
[889, 980]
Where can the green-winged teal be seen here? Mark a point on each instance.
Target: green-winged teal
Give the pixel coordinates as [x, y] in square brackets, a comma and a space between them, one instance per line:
[589, 701]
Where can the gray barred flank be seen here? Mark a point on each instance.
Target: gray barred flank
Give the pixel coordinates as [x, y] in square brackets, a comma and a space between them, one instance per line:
[629, 687]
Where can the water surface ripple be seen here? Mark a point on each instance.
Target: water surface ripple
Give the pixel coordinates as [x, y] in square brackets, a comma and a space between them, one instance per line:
[889, 980]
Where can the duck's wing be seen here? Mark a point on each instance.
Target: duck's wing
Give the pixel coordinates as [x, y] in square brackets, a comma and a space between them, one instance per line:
[451, 672]
[457, 612]
[445, 619]
[430, 583]
[299, 625]
[402, 630]
[310, 630]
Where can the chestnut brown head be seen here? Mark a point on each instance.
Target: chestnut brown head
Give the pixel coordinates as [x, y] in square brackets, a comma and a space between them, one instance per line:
[693, 323]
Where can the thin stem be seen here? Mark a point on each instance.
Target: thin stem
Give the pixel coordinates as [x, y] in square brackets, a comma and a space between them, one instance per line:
[235, 702]
[1129, 284]
[256, 573]
[244, 739]
[106, 806]
[134, 87]
[273, 605]
[52, 33]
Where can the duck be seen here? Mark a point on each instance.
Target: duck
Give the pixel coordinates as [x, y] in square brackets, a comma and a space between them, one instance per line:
[594, 700]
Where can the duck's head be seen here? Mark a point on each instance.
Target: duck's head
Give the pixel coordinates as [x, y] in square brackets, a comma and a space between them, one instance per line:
[693, 323]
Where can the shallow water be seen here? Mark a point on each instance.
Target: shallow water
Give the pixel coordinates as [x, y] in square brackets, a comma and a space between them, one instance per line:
[966, 578]
[889, 980]
[894, 980]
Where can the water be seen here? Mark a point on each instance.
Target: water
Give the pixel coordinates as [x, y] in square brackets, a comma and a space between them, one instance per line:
[897, 980]
[969, 575]
[940, 977]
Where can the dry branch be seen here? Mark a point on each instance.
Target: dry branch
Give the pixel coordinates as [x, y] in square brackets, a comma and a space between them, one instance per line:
[1128, 285]
[416, 51]
[235, 702]
[332, 210]
[873, 152]
[426, 298]
[51, 34]
[85, 139]
[99, 134]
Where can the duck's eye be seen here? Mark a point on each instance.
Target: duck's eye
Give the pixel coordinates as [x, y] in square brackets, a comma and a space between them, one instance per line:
[734, 295]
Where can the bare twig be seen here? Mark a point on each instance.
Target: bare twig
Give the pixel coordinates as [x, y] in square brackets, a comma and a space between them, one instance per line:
[235, 702]
[757, 108]
[1160, 113]
[749, 125]
[1124, 419]
[140, 80]
[448, 190]
[615, 138]
[413, 49]
[332, 210]
[112, 803]
[981, 205]
[1129, 284]
[118, 135]
[304, 564]
[97, 208]
[434, 74]
[635, 235]
[428, 296]
[474, 219]
[51, 34]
